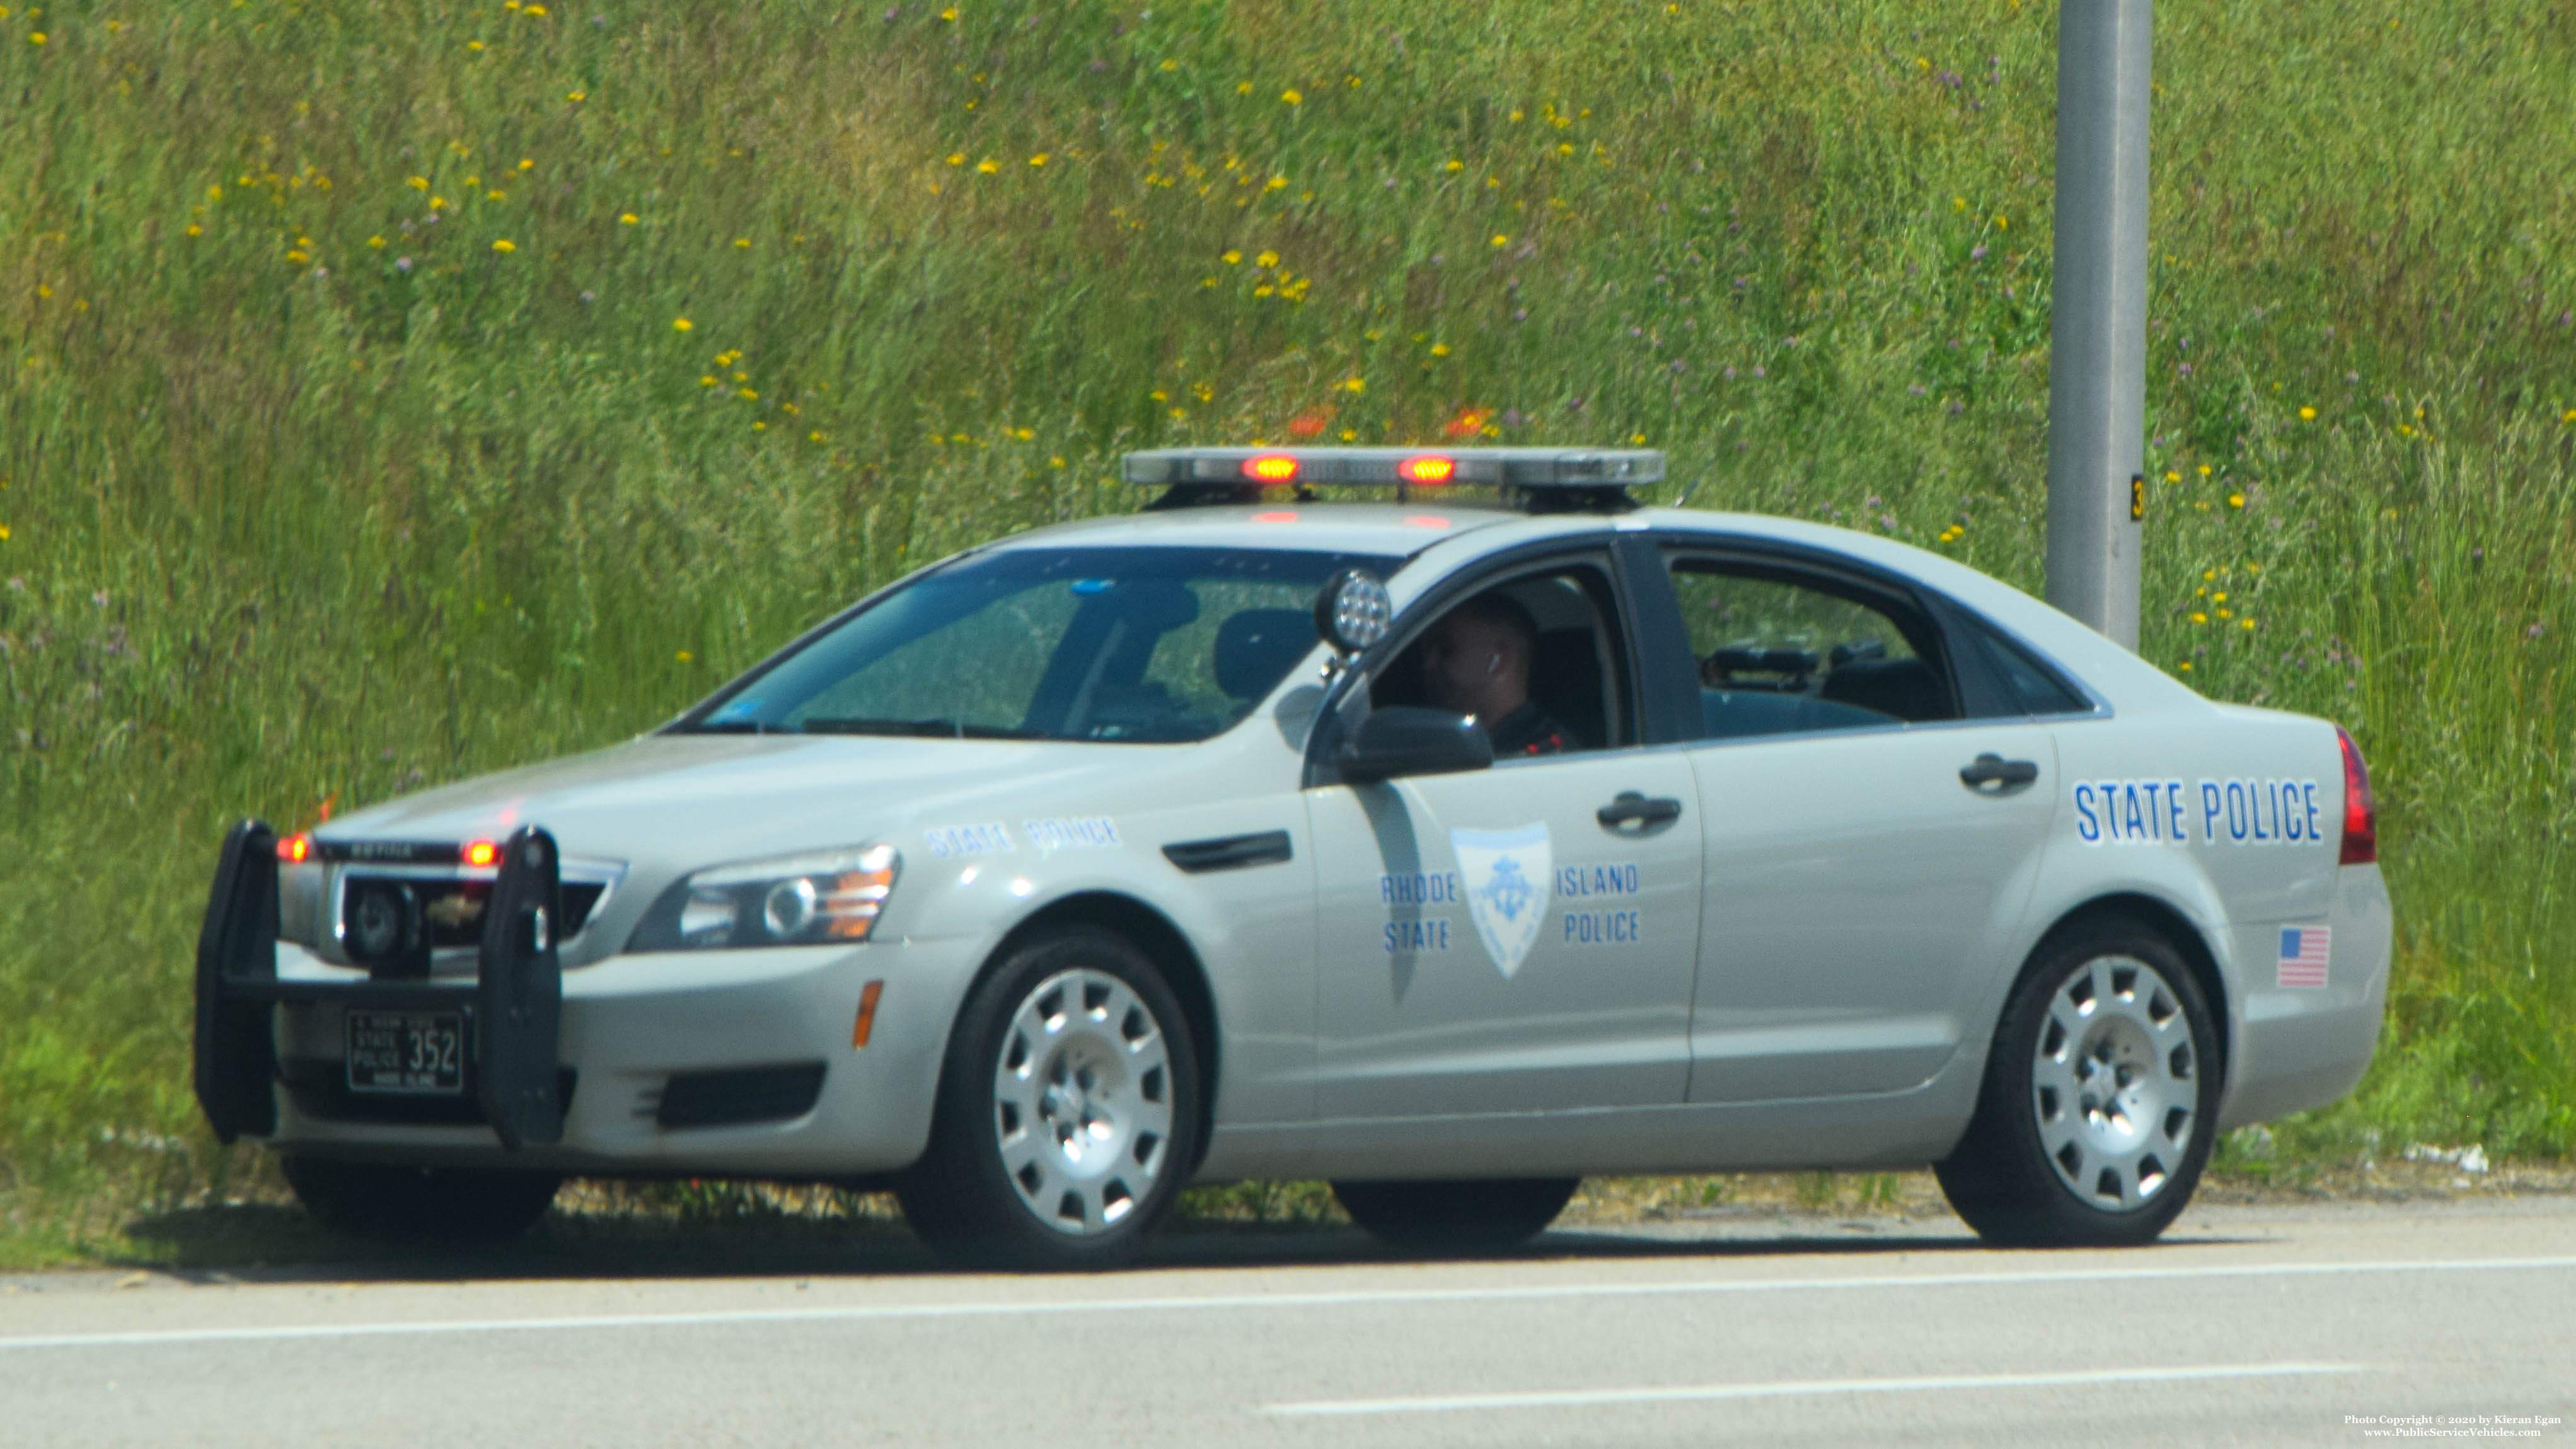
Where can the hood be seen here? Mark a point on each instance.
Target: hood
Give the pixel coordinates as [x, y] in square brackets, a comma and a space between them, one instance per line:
[681, 802]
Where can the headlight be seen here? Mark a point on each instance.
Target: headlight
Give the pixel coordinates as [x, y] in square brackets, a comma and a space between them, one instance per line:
[794, 900]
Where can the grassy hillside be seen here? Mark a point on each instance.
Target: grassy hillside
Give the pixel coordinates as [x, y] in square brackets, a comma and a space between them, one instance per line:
[392, 391]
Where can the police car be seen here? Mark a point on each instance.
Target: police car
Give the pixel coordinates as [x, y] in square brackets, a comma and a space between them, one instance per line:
[1451, 844]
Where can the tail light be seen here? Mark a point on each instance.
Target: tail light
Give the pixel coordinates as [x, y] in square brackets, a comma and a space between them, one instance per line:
[2360, 811]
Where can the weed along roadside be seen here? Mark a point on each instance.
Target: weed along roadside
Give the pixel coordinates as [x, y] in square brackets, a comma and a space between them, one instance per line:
[489, 384]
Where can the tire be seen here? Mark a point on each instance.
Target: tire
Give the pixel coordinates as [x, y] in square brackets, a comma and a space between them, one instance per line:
[452, 1205]
[1456, 1217]
[1068, 1114]
[2100, 1098]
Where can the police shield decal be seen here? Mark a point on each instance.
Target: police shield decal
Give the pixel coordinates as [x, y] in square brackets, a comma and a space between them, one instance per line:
[1507, 876]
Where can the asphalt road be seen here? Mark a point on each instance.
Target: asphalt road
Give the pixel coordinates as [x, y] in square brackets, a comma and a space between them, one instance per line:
[2249, 1325]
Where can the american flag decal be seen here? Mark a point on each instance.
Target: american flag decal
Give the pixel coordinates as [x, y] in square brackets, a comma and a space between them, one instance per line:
[2303, 955]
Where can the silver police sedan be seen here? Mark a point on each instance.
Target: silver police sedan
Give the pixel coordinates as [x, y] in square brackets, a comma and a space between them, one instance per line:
[1450, 847]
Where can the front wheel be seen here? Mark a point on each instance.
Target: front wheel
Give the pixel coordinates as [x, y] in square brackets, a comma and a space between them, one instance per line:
[455, 1205]
[1068, 1113]
[2100, 1098]
[1456, 1217]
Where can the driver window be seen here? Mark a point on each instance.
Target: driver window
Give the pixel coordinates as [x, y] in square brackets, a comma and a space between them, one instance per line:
[1535, 659]
[1780, 656]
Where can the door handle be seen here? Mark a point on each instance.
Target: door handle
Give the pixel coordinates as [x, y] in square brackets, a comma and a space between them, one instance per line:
[1994, 769]
[1631, 808]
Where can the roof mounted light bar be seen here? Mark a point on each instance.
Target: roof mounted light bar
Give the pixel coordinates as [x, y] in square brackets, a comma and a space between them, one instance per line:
[1545, 479]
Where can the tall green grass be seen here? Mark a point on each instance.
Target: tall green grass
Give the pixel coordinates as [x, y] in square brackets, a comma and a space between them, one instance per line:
[390, 391]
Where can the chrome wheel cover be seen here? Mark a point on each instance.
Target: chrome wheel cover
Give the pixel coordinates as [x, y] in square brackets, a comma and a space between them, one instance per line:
[1082, 1101]
[2115, 1082]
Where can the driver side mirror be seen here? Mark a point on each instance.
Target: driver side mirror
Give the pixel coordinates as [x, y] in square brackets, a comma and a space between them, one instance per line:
[1404, 740]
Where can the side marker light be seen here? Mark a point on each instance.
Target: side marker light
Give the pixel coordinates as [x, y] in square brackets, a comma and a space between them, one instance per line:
[295, 849]
[866, 1025]
[482, 852]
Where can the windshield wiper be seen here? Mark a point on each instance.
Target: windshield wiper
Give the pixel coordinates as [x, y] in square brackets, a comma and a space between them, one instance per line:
[936, 729]
[727, 727]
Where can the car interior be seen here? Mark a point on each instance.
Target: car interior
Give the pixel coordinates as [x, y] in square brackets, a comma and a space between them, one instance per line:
[1574, 672]
[1785, 655]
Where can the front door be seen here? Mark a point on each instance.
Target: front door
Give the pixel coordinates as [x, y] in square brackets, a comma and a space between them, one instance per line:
[1521, 938]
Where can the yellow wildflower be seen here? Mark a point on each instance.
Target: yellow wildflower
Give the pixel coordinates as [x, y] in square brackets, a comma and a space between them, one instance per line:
[2172, 477]
[1243, 88]
[1440, 349]
[527, 164]
[2248, 623]
[1266, 259]
[948, 14]
[1636, 440]
[2185, 666]
[2204, 470]
[35, 37]
[417, 183]
[1231, 257]
[1457, 165]
[746, 394]
[1059, 462]
[2307, 415]
[1355, 385]
[681, 324]
[627, 218]
[474, 45]
[685, 657]
[988, 165]
[1167, 65]
[742, 243]
[1291, 96]
[2198, 617]
[505, 246]
[1040, 159]
[195, 230]
[2235, 500]
[1501, 240]
[956, 158]
[577, 96]
[813, 437]
[374, 243]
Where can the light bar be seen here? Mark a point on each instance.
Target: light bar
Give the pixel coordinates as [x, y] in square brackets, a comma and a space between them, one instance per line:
[1585, 468]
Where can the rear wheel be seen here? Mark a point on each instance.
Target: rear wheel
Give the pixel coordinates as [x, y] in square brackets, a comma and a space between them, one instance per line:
[1068, 1113]
[421, 1204]
[1456, 1217]
[2100, 1097]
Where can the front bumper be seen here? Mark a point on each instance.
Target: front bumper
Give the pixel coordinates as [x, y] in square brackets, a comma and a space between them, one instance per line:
[721, 1063]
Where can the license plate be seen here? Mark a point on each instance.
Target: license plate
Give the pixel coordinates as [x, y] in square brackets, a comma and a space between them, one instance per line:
[418, 1052]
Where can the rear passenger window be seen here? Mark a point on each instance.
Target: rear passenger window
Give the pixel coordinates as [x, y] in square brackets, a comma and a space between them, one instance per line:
[1784, 655]
[2034, 687]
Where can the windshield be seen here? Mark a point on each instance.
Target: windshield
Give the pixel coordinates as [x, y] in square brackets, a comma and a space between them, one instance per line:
[1112, 644]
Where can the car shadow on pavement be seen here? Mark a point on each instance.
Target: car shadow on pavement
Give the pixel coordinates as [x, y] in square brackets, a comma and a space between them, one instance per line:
[271, 1243]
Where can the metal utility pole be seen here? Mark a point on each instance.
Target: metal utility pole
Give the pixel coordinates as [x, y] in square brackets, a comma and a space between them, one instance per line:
[2097, 364]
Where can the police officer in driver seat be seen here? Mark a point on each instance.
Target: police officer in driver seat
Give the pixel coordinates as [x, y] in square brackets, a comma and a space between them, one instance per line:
[1476, 661]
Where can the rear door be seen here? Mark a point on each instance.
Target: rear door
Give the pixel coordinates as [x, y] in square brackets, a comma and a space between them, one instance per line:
[1521, 938]
[1869, 850]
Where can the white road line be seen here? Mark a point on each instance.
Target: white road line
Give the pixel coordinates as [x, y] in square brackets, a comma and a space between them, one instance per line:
[1702, 1393]
[1372, 1298]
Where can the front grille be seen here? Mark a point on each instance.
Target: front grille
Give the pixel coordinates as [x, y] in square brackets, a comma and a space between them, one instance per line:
[737, 1095]
[320, 1089]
